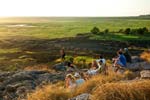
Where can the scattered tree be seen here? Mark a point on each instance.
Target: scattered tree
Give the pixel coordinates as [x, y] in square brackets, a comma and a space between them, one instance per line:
[106, 31]
[127, 31]
[121, 31]
[145, 29]
[95, 30]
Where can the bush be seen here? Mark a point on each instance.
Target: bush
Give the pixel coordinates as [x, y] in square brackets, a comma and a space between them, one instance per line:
[106, 31]
[139, 31]
[95, 30]
[145, 29]
[121, 31]
[127, 31]
[69, 59]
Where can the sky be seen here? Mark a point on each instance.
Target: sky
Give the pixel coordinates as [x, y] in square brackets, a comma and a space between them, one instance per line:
[74, 7]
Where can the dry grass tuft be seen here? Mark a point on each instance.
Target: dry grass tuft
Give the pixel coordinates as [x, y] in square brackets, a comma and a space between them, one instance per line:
[146, 56]
[137, 90]
[41, 67]
[129, 75]
[50, 92]
[92, 84]
[111, 87]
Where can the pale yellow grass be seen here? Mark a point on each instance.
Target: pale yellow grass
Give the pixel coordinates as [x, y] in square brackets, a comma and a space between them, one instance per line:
[146, 56]
[50, 92]
[136, 90]
[100, 87]
[41, 67]
[92, 84]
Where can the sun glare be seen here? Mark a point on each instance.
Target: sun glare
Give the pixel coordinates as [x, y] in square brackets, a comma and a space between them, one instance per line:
[74, 7]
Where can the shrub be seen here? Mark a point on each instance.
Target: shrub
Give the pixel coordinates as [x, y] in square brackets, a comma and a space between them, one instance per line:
[145, 29]
[140, 31]
[127, 31]
[106, 31]
[95, 30]
[121, 31]
[69, 59]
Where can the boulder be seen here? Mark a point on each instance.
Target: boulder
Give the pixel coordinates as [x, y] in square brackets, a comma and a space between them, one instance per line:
[138, 66]
[84, 96]
[145, 74]
[60, 66]
[136, 59]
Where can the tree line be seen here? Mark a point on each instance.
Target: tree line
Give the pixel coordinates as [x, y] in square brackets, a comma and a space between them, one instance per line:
[127, 31]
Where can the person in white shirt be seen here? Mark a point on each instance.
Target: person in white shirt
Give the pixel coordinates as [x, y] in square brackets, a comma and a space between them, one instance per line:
[102, 62]
[94, 70]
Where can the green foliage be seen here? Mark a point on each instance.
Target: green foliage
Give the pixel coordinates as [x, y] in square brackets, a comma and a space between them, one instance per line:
[106, 31]
[139, 31]
[95, 30]
[69, 59]
[127, 31]
[145, 29]
[120, 31]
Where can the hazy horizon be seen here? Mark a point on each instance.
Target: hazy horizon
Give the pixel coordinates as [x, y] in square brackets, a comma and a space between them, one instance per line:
[74, 8]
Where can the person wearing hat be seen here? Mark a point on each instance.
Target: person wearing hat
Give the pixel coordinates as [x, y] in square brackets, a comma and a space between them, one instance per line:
[94, 70]
[127, 55]
[70, 81]
[79, 79]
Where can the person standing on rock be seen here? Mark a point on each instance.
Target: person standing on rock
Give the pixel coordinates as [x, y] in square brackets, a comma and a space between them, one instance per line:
[62, 54]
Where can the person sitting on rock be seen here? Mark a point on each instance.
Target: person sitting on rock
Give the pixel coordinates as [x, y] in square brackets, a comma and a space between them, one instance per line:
[85, 76]
[94, 68]
[120, 61]
[79, 80]
[101, 58]
[104, 68]
[127, 55]
[102, 62]
[70, 67]
[70, 81]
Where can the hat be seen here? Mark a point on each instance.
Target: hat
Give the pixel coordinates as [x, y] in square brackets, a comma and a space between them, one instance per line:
[125, 49]
[69, 75]
[77, 75]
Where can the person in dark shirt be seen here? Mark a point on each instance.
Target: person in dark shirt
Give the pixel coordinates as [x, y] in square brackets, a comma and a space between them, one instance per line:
[127, 55]
[120, 61]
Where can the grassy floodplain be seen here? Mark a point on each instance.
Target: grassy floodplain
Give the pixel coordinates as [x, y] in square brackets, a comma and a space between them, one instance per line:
[25, 41]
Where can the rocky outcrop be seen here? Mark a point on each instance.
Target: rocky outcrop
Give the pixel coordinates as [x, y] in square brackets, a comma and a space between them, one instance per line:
[84, 96]
[138, 66]
[145, 74]
[18, 84]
